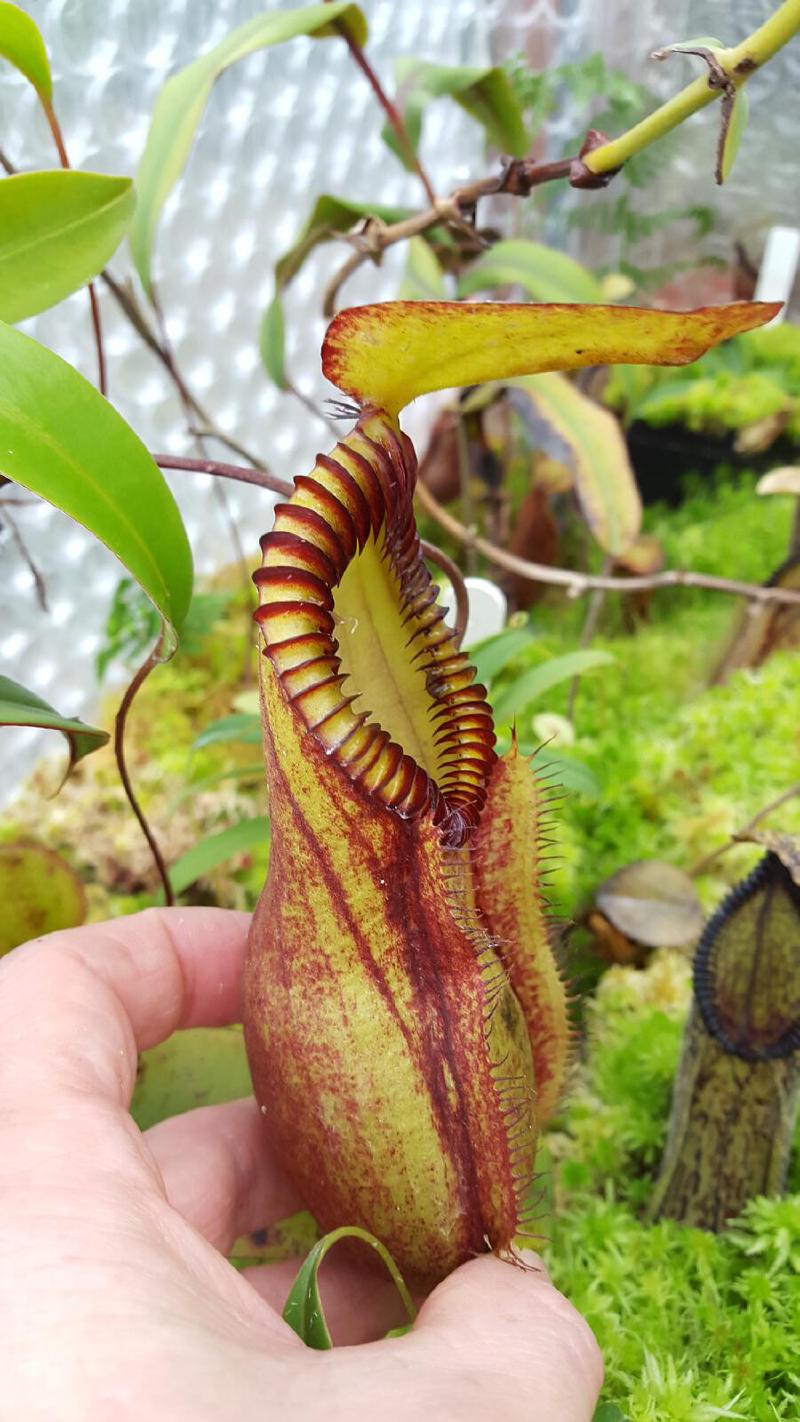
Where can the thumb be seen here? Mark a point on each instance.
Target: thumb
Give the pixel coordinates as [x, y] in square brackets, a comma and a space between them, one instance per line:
[512, 1344]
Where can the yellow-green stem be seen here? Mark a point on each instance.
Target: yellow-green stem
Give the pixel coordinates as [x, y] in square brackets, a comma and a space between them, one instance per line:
[738, 63]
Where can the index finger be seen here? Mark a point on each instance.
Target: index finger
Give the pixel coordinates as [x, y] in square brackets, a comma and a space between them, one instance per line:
[76, 1007]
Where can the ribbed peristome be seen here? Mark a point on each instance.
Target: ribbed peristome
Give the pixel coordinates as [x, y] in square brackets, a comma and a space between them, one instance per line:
[357, 503]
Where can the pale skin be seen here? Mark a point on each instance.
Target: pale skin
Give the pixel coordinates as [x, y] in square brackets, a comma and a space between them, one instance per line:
[116, 1298]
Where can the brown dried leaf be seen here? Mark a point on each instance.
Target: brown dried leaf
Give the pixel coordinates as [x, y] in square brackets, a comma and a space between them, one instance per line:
[762, 434]
[758, 632]
[785, 480]
[535, 536]
[438, 467]
[644, 557]
[652, 903]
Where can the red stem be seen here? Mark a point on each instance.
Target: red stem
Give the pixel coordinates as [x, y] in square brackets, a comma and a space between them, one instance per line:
[102, 373]
[259, 477]
[393, 115]
[119, 753]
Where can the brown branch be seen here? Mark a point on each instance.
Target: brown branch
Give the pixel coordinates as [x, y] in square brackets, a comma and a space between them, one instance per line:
[452, 571]
[516, 178]
[579, 583]
[119, 753]
[102, 371]
[702, 864]
[5, 162]
[393, 115]
[261, 478]
[24, 553]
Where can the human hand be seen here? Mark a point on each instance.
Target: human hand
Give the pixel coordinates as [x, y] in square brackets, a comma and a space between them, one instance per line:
[116, 1299]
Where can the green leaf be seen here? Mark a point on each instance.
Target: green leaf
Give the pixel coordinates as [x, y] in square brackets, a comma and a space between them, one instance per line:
[215, 849]
[732, 133]
[542, 272]
[23, 46]
[574, 775]
[271, 342]
[20, 707]
[563, 770]
[516, 699]
[242, 727]
[303, 1310]
[423, 278]
[588, 439]
[57, 231]
[329, 216]
[39, 893]
[609, 1412]
[493, 653]
[131, 628]
[180, 105]
[485, 94]
[202, 1066]
[63, 441]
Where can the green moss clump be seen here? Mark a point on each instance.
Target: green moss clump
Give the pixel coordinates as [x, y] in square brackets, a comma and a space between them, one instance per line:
[90, 822]
[692, 1326]
[739, 383]
[681, 765]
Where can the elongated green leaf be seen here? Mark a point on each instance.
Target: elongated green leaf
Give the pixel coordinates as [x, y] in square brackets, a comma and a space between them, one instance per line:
[494, 653]
[516, 699]
[732, 134]
[272, 343]
[23, 46]
[243, 726]
[542, 272]
[57, 231]
[303, 1309]
[591, 444]
[21, 707]
[180, 105]
[215, 849]
[64, 442]
[423, 278]
[485, 94]
[330, 215]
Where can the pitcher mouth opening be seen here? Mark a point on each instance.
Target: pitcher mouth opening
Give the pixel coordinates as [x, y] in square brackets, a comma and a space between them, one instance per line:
[360, 645]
